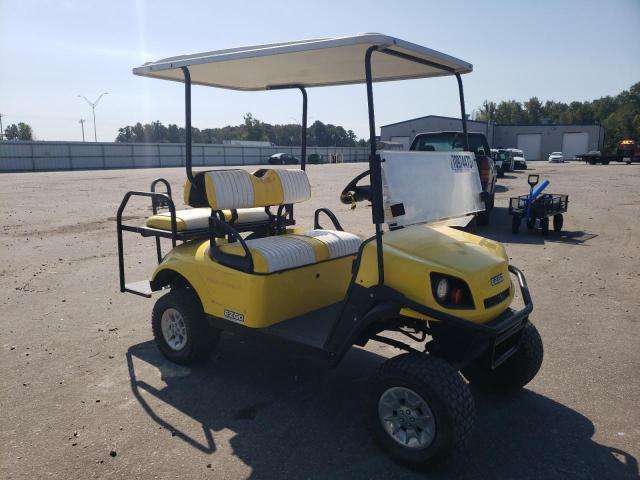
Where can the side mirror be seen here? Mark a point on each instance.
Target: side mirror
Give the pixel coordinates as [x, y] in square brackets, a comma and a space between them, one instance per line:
[533, 180]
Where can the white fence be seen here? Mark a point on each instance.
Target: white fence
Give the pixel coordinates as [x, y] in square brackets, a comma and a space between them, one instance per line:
[47, 156]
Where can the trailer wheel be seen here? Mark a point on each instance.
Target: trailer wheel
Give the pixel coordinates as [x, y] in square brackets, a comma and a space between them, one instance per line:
[558, 221]
[180, 329]
[515, 372]
[515, 224]
[420, 409]
[544, 225]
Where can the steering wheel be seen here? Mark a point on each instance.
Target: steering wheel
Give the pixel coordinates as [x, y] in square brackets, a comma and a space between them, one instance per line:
[353, 193]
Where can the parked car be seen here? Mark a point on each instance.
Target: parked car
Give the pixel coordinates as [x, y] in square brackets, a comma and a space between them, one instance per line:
[453, 141]
[556, 157]
[519, 162]
[283, 159]
[501, 160]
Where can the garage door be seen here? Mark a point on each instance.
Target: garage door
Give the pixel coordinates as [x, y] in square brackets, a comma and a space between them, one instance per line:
[575, 144]
[403, 140]
[530, 144]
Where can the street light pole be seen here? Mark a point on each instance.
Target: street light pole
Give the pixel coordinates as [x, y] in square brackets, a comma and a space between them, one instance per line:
[81, 122]
[1, 130]
[93, 106]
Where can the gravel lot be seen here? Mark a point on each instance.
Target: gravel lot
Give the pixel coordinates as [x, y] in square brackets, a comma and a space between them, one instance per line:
[85, 393]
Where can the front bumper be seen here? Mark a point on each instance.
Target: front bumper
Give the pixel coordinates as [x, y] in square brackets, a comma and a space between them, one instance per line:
[462, 341]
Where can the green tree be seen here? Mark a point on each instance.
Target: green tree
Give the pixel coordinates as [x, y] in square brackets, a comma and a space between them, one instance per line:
[11, 132]
[25, 132]
[533, 110]
[22, 131]
[253, 129]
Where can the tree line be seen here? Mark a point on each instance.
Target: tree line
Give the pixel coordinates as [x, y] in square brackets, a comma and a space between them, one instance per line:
[318, 134]
[619, 114]
[20, 132]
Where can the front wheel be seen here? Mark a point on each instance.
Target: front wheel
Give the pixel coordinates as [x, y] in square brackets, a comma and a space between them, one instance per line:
[515, 372]
[180, 329]
[421, 410]
[558, 220]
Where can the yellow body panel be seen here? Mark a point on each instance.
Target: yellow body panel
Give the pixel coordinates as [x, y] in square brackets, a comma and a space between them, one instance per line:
[261, 300]
[411, 254]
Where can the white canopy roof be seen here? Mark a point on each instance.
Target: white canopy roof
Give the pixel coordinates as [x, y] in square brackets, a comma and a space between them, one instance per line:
[309, 63]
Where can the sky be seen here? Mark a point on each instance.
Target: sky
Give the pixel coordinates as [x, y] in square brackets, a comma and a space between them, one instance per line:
[52, 51]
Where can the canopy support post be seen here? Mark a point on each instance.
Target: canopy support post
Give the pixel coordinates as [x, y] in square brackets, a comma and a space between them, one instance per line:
[187, 122]
[463, 113]
[377, 208]
[303, 133]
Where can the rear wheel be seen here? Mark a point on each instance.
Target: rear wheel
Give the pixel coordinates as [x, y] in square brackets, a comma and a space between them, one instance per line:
[180, 329]
[515, 372]
[515, 224]
[544, 225]
[421, 410]
[483, 217]
[558, 221]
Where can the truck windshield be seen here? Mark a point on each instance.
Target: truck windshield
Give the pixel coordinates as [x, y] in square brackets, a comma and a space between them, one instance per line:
[450, 142]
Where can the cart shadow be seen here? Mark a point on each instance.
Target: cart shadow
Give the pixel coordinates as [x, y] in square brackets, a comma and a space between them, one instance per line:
[499, 229]
[501, 188]
[292, 417]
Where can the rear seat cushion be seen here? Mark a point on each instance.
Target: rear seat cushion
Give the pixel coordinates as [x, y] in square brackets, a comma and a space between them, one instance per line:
[198, 218]
[188, 219]
[274, 254]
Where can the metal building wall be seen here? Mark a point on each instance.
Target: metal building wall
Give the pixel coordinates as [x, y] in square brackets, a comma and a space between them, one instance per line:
[506, 136]
[42, 156]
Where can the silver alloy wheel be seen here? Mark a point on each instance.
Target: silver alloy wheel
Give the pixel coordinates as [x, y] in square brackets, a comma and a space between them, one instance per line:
[407, 418]
[174, 329]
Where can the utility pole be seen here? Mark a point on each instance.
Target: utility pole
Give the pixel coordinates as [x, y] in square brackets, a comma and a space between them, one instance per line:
[1, 130]
[93, 106]
[81, 122]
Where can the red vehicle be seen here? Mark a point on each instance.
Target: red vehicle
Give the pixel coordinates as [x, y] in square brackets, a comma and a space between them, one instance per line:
[628, 151]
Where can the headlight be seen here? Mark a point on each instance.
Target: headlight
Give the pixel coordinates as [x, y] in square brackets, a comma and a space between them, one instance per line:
[451, 292]
[442, 290]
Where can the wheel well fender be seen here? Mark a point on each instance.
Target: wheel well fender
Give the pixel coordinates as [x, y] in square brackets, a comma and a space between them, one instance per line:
[169, 277]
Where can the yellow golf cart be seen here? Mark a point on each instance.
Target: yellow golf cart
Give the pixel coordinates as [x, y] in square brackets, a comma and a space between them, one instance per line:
[239, 263]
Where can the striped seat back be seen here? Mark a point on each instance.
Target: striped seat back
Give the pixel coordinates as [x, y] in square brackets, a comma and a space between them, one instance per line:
[234, 189]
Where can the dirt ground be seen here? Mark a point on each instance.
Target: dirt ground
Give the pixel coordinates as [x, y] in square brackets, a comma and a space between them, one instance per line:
[85, 394]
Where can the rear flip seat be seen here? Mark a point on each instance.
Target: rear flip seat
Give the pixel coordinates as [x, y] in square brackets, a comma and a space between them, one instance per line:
[226, 190]
[198, 218]
[282, 252]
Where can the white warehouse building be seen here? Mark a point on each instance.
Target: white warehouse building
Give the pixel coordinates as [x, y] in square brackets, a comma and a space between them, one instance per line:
[537, 141]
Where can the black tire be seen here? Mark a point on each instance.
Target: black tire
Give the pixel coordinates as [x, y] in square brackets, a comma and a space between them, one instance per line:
[544, 225]
[514, 373]
[483, 217]
[515, 224]
[605, 162]
[592, 161]
[443, 390]
[201, 339]
[558, 221]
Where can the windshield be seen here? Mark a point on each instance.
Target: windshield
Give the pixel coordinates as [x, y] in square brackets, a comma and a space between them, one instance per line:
[450, 142]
